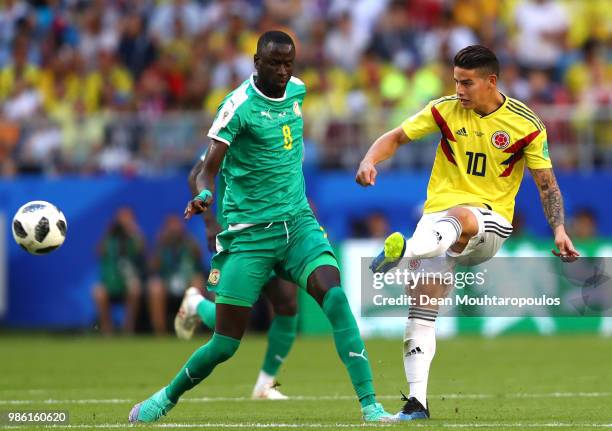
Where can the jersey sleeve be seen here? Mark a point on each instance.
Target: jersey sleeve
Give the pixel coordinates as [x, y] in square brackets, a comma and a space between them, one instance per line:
[227, 123]
[536, 153]
[420, 124]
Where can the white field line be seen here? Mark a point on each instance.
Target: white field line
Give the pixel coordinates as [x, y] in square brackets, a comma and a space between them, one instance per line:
[313, 398]
[255, 425]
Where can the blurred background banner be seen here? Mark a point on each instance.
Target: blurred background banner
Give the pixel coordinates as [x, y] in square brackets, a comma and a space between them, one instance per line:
[105, 105]
[3, 262]
[54, 291]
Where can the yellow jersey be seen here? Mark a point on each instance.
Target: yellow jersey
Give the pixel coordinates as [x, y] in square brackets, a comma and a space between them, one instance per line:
[480, 159]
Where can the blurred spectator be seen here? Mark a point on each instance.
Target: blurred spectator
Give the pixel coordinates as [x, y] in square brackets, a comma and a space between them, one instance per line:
[122, 264]
[366, 64]
[41, 149]
[110, 75]
[19, 69]
[9, 136]
[282, 11]
[583, 225]
[136, 50]
[590, 78]
[345, 43]
[374, 225]
[124, 135]
[513, 84]
[23, 102]
[364, 13]
[233, 68]
[445, 39]
[166, 15]
[176, 264]
[394, 36]
[62, 81]
[543, 91]
[99, 32]
[11, 13]
[541, 33]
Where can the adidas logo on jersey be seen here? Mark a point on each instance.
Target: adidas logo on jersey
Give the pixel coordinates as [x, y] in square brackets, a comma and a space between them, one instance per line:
[462, 132]
[415, 351]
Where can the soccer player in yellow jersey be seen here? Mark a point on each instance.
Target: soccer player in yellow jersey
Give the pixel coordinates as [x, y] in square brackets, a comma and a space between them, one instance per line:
[486, 140]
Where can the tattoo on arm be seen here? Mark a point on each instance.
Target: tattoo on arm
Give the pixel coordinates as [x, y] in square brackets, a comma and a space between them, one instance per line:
[550, 195]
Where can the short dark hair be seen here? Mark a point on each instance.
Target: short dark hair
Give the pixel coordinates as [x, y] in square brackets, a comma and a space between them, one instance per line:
[477, 57]
[274, 36]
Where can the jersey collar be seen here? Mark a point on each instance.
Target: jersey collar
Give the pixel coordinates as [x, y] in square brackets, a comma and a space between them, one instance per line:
[277, 99]
[494, 113]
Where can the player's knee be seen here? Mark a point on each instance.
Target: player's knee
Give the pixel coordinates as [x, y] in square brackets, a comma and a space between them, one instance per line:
[288, 308]
[321, 281]
[469, 223]
[336, 306]
[335, 296]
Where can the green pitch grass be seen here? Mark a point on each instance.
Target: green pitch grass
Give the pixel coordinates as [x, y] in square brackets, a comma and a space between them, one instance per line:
[512, 382]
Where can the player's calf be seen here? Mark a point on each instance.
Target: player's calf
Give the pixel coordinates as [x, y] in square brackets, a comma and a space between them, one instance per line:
[201, 363]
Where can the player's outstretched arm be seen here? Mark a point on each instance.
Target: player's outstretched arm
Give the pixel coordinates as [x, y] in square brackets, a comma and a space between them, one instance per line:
[205, 179]
[212, 226]
[382, 149]
[193, 174]
[552, 202]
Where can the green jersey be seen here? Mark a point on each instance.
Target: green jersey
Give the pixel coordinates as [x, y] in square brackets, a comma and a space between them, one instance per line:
[263, 164]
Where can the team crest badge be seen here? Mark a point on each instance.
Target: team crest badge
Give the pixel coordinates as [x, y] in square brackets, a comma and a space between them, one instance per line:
[500, 140]
[414, 264]
[296, 109]
[214, 276]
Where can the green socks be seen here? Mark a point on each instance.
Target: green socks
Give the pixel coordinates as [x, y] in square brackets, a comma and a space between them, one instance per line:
[349, 344]
[281, 336]
[207, 311]
[201, 363]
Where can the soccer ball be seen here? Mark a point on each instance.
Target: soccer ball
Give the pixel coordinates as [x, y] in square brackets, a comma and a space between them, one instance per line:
[39, 227]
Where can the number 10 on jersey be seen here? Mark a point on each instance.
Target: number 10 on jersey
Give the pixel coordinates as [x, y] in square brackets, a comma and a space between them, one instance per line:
[288, 139]
[477, 163]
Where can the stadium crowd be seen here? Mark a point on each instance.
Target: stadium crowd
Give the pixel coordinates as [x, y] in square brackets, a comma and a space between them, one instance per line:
[130, 86]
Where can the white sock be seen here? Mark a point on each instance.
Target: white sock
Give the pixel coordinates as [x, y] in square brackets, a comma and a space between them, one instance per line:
[192, 303]
[419, 350]
[264, 379]
[435, 241]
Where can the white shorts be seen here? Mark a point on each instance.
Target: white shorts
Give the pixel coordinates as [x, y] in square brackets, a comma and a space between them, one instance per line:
[493, 230]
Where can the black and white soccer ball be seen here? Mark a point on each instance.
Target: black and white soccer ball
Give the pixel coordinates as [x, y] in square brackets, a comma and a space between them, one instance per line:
[39, 227]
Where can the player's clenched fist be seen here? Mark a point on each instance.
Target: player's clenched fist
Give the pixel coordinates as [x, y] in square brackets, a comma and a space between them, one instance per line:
[366, 174]
[197, 206]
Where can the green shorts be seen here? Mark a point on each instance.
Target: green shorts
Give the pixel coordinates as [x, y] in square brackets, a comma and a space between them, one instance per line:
[247, 257]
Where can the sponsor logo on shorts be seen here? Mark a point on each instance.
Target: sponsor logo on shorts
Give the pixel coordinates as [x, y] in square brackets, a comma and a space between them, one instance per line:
[500, 140]
[214, 277]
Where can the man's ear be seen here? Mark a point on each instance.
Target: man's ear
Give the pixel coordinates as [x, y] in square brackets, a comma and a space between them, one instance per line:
[256, 60]
[493, 80]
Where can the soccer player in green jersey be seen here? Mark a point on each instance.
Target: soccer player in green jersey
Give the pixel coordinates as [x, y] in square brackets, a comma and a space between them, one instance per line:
[257, 137]
[281, 294]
